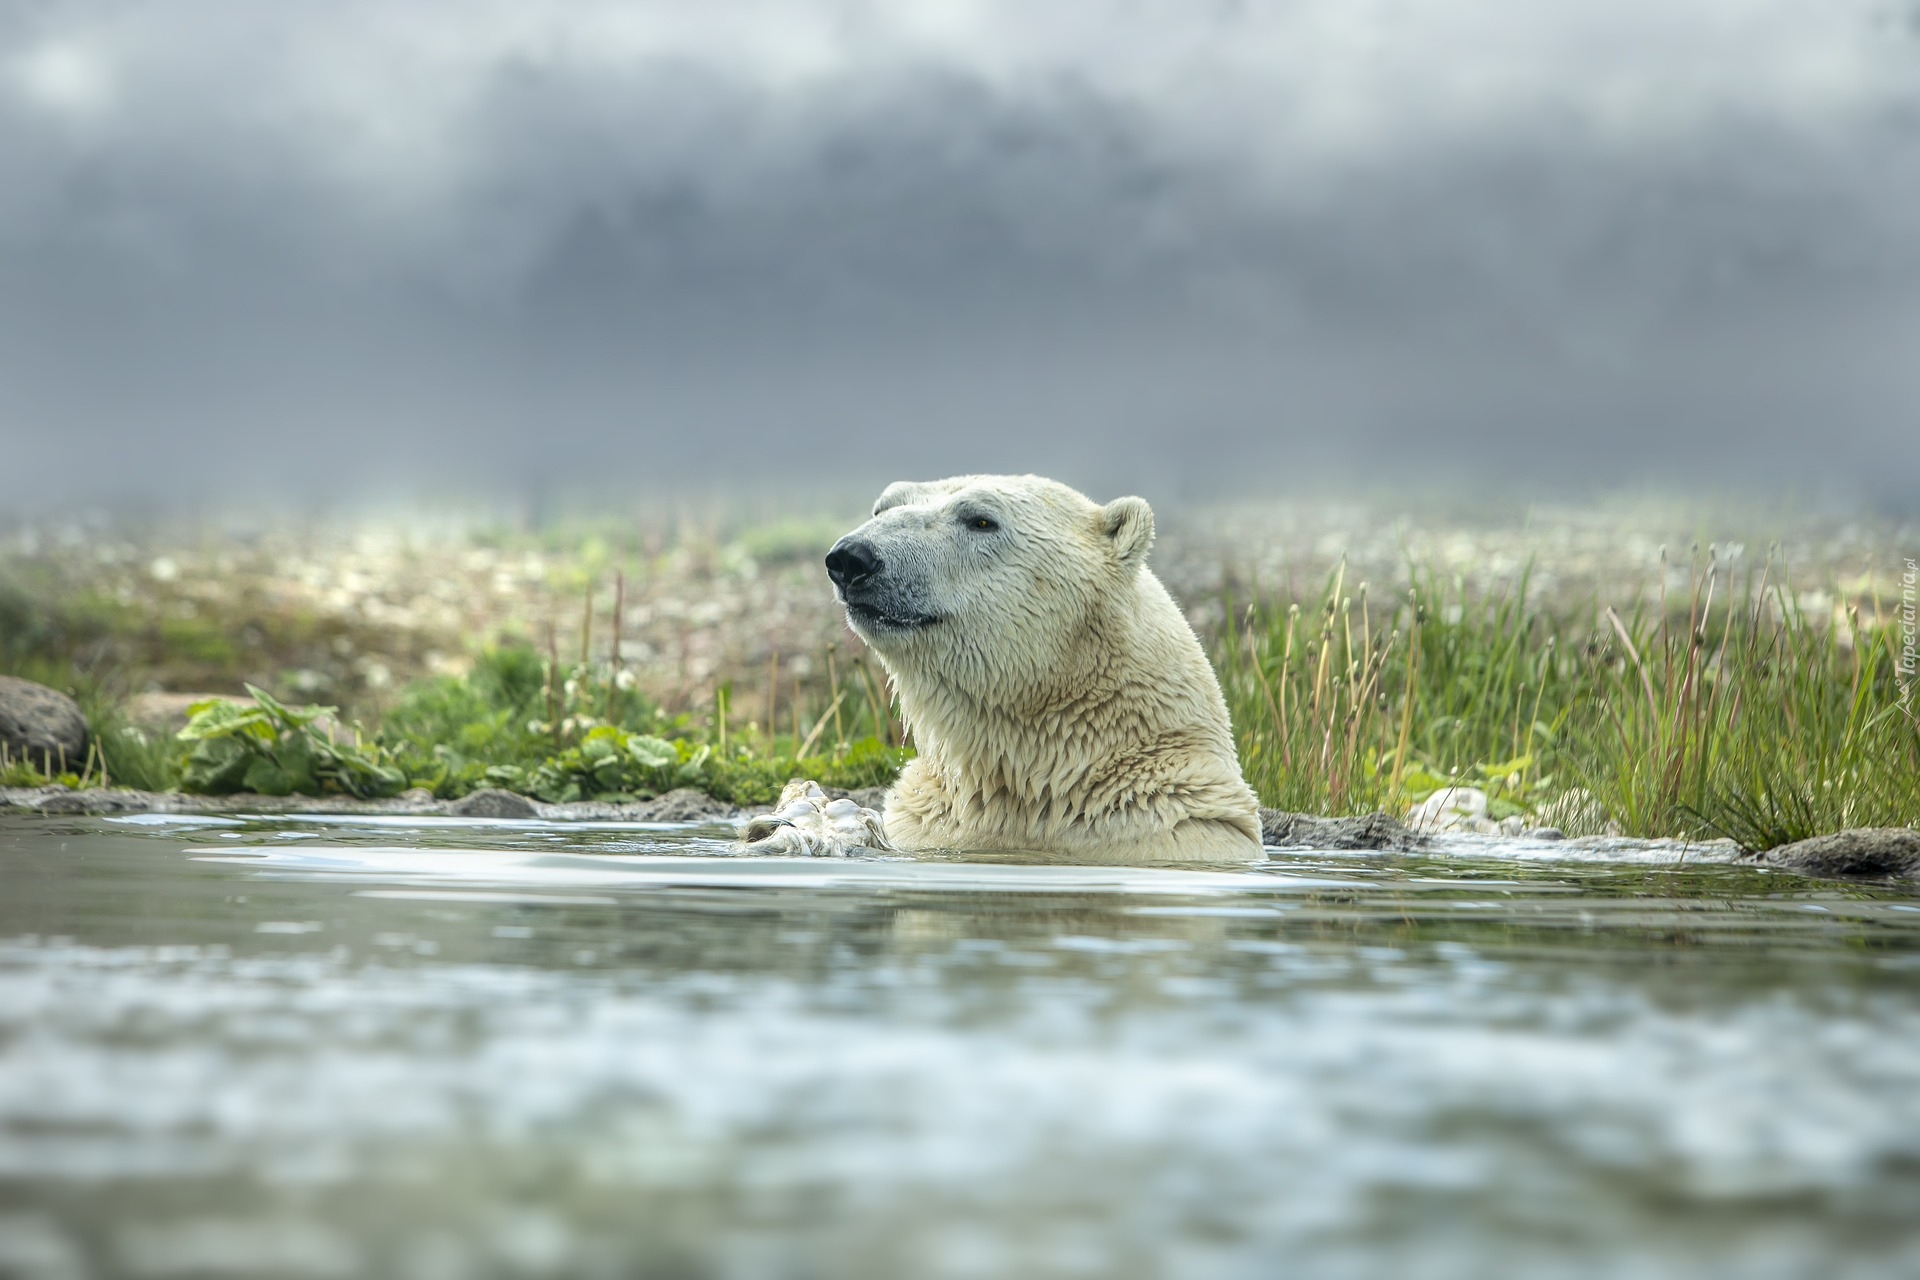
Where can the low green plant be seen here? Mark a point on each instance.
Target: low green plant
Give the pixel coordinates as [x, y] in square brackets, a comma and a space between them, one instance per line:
[589, 736]
[275, 750]
[129, 756]
[448, 731]
[744, 778]
[613, 764]
[20, 773]
[608, 763]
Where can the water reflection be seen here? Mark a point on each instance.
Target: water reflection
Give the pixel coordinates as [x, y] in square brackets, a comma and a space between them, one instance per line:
[461, 1050]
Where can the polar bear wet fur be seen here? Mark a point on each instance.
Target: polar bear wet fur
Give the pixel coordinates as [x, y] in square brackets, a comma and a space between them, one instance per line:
[1058, 700]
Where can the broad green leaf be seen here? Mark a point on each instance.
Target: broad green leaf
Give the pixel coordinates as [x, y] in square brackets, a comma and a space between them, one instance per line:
[267, 778]
[218, 766]
[287, 717]
[217, 718]
[651, 753]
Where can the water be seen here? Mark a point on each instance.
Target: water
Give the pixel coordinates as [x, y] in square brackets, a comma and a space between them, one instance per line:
[429, 1048]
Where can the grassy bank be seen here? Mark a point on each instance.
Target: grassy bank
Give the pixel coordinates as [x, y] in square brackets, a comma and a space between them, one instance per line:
[1736, 707]
[1731, 709]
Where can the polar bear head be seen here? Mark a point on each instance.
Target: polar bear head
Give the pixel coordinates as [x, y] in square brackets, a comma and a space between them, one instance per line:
[998, 583]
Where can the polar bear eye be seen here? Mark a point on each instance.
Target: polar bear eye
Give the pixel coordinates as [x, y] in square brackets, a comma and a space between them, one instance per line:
[984, 524]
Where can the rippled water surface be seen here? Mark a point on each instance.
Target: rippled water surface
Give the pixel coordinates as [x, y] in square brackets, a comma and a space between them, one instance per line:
[430, 1048]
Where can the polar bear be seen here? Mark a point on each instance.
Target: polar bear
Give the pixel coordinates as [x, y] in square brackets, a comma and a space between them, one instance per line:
[1058, 700]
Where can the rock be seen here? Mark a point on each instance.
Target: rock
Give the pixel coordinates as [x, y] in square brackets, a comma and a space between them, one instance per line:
[415, 798]
[42, 726]
[684, 804]
[1303, 831]
[1452, 809]
[1512, 826]
[491, 802]
[1544, 833]
[1865, 853]
[59, 800]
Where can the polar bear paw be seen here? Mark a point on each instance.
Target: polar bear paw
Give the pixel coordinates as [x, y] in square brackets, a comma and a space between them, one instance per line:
[805, 824]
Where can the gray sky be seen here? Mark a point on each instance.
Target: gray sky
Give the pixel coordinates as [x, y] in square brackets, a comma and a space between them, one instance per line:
[1169, 247]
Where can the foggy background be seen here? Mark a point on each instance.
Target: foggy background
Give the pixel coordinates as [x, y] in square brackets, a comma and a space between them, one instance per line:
[1180, 248]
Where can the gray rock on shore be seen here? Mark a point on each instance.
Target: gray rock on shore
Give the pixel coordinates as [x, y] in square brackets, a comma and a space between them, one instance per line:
[1304, 831]
[491, 802]
[97, 801]
[685, 804]
[42, 726]
[1865, 853]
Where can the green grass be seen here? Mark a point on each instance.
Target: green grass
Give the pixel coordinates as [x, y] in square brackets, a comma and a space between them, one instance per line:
[1348, 703]
[1755, 721]
[1731, 712]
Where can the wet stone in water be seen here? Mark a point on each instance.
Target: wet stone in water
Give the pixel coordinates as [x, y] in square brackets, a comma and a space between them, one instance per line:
[1873, 853]
[491, 802]
[1304, 831]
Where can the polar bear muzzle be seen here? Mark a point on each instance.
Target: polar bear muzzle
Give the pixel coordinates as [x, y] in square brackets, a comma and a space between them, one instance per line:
[876, 604]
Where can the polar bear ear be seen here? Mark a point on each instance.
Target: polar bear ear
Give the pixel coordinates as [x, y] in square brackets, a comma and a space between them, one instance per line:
[1129, 523]
[897, 494]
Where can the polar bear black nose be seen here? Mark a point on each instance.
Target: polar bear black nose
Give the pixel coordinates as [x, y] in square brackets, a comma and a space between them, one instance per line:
[852, 562]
